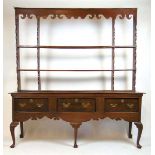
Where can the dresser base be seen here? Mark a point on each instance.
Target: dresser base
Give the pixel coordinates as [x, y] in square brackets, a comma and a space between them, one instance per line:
[76, 107]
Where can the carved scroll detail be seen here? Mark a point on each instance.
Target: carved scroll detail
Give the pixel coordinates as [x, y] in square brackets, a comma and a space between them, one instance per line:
[57, 116]
[90, 16]
[122, 16]
[30, 16]
[76, 13]
[98, 16]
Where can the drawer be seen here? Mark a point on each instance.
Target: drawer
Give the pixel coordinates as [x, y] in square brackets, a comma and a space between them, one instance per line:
[31, 104]
[121, 105]
[76, 105]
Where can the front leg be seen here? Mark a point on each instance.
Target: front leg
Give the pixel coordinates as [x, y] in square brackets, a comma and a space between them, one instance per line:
[130, 129]
[75, 126]
[21, 130]
[12, 130]
[139, 125]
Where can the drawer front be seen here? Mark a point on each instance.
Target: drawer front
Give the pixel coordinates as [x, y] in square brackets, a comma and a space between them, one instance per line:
[31, 104]
[121, 105]
[76, 105]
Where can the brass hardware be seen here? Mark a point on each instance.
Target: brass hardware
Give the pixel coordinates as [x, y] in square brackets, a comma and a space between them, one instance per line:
[31, 100]
[122, 100]
[39, 105]
[22, 105]
[113, 105]
[85, 105]
[66, 105]
[76, 100]
[130, 105]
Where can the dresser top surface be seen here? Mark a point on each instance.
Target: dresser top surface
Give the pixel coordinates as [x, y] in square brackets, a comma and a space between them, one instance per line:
[77, 92]
[24, 8]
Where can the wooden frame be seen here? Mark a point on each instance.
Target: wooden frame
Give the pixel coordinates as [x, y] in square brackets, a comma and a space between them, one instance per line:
[76, 13]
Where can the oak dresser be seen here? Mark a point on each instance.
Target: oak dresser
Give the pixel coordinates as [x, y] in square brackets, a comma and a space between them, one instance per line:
[76, 107]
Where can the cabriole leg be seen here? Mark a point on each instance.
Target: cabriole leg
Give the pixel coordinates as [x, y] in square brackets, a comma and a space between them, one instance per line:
[75, 126]
[139, 125]
[130, 129]
[21, 130]
[12, 130]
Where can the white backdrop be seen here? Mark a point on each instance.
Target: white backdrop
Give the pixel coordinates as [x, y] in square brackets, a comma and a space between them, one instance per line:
[92, 135]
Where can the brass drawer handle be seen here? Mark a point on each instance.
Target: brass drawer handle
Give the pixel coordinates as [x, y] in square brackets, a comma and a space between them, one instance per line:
[22, 105]
[66, 105]
[76, 100]
[39, 105]
[122, 100]
[85, 104]
[130, 105]
[113, 105]
[31, 100]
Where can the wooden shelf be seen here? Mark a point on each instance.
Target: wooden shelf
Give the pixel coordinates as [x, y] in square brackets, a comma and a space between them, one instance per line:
[73, 47]
[75, 70]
